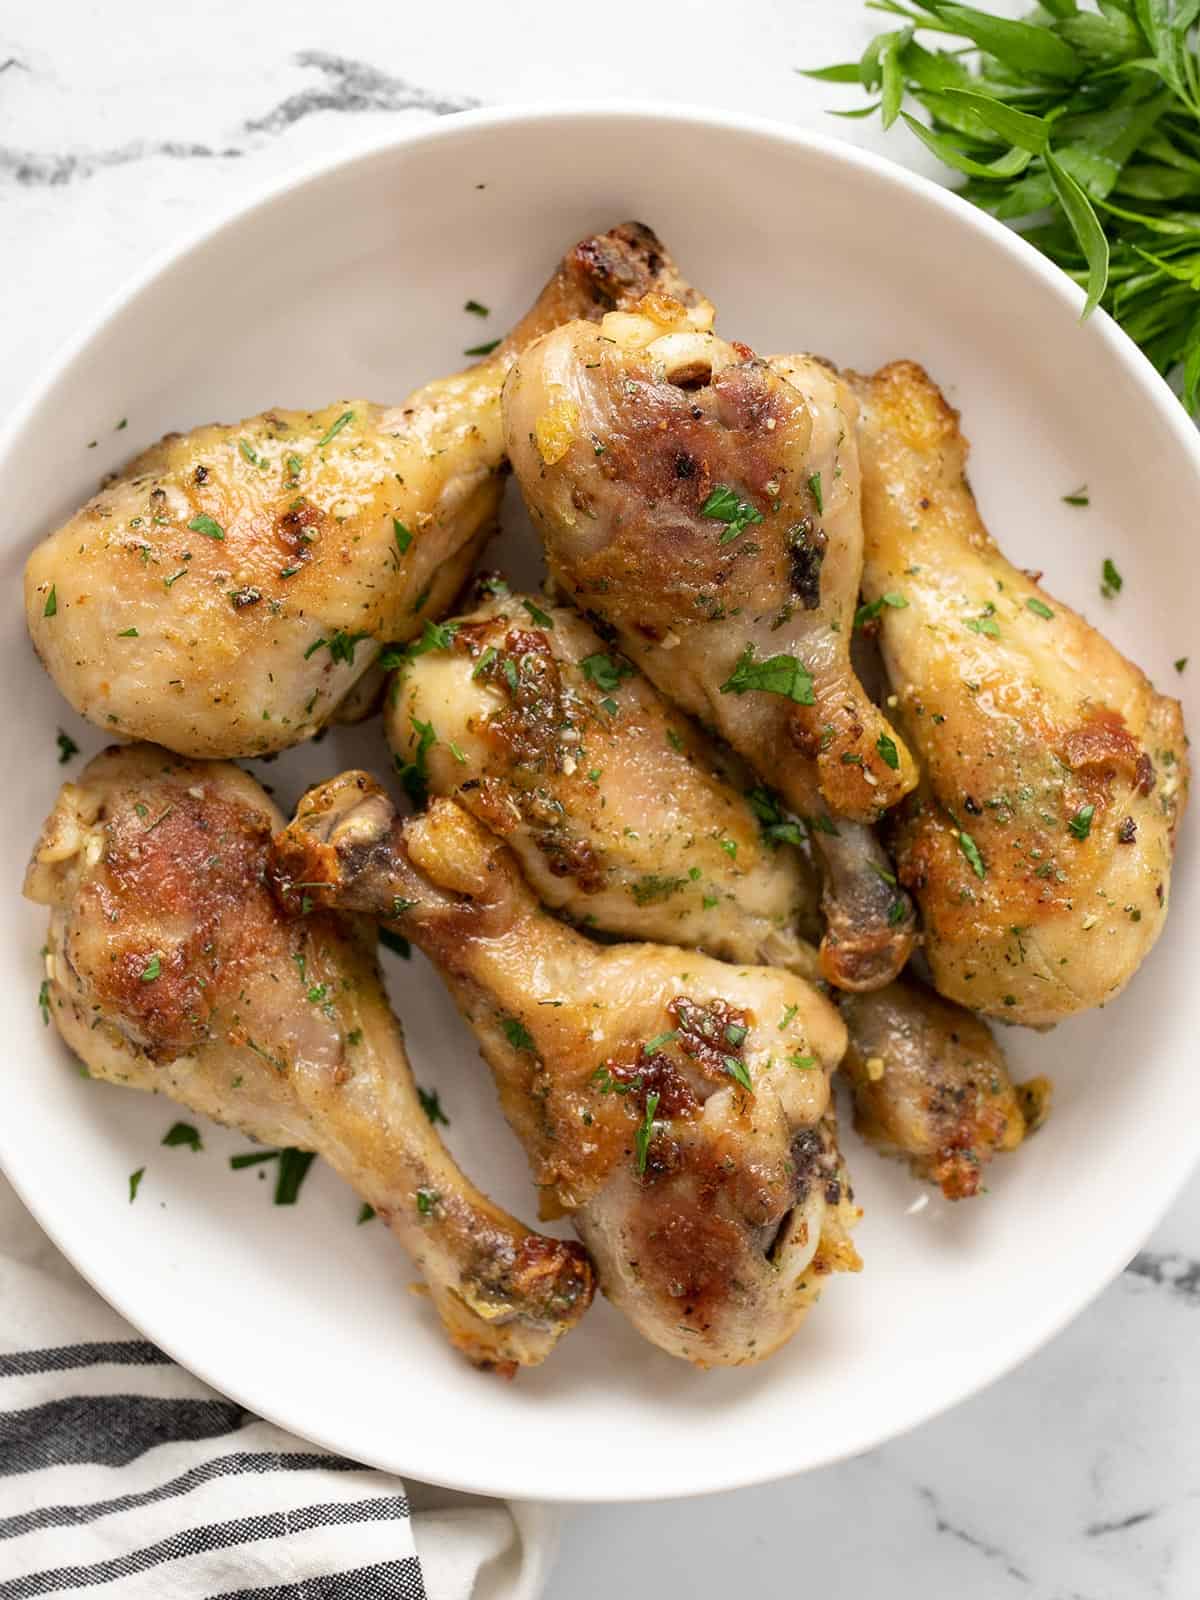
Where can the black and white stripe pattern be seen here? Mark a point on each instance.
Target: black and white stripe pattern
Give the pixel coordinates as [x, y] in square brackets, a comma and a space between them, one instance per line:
[122, 1477]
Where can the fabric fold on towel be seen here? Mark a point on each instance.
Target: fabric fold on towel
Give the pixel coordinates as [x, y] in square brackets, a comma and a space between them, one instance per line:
[124, 1477]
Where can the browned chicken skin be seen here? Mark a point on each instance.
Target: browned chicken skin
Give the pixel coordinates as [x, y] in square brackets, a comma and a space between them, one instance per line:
[172, 968]
[1039, 844]
[704, 504]
[620, 811]
[228, 589]
[931, 1085]
[678, 1108]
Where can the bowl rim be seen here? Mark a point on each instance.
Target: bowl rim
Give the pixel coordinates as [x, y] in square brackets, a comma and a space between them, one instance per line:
[465, 125]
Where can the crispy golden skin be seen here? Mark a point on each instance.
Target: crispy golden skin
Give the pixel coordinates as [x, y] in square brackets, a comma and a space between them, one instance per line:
[225, 592]
[1039, 844]
[705, 504]
[620, 811]
[931, 1085]
[172, 968]
[678, 1108]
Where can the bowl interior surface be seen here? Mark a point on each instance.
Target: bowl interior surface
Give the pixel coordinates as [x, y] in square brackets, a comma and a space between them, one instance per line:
[351, 283]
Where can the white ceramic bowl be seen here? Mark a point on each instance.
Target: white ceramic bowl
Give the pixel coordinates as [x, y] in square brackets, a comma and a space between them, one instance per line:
[351, 280]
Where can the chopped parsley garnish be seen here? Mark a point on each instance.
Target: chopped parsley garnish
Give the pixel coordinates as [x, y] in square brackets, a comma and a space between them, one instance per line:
[335, 428]
[818, 494]
[175, 577]
[897, 912]
[724, 506]
[252, 1158]
[782, 675]
[128, 633]
[868, 612]
[776, 827]
[365, 1213]
[1181, 663]
[432, 1106]
[50, 609]
[403, 537]
[652, 888]
[456, 752]
[659, 1040]
[341, 646]
[293, 1169]
[44, 1001]
[1081, 823]
[888, 753]
[676, 742]
[802, 1063]
[1038, 607]
[971, 850]
[542, 618]
[606, 672]
[434, 636]
[737, 1070]
[124, 423]
[426, 1200]
[788, 1013]
[414, 774]
[476, 309]
[986, 625]
[183, 1133]
[735, 1033]
[1077, 497]
[517, 1034]
[250, 453]
[645, 1133]
[294, 465]
[153, 967]
[205, 525]
[1112, 581]
[482, 349]
[485, 661]
[135, 1183]
[66, 748]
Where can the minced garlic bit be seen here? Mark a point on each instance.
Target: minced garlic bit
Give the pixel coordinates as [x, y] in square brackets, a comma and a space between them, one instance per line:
[555, 430]
[874, 1068]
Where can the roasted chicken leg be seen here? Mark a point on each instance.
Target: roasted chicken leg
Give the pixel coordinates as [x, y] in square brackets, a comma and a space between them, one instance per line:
[931, 1084]
[676, 1107]
[705, 504]
[225, 592]
[172, 968]
[1039, 845]
[620, 811]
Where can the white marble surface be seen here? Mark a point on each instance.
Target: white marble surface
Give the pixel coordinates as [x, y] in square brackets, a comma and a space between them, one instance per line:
[121, 129]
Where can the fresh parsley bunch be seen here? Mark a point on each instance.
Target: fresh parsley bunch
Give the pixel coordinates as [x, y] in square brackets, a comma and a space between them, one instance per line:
[1079, 127]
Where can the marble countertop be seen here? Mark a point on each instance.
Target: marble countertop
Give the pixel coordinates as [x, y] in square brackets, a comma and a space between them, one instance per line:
[121, 129]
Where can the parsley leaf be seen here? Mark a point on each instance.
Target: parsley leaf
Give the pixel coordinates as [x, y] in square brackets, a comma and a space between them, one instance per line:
[782, 675]
[723, 505]
[517, 1034]
[606, 672]
[183, 1133]
[1081, 823]
[888, 752]
[645, 1133]
[971, 850]
[205, 525]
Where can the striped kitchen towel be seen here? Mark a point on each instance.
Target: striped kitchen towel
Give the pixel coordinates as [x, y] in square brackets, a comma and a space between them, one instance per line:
[122, 1477]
